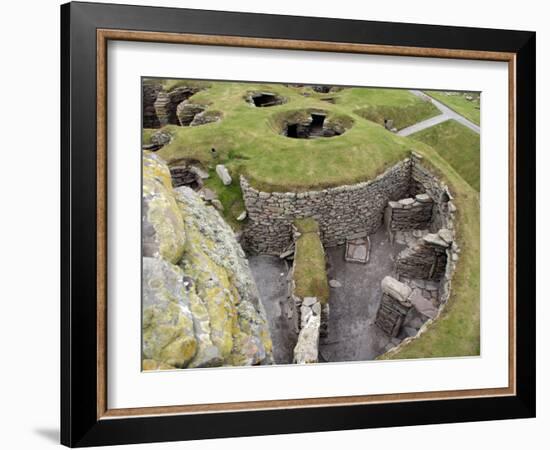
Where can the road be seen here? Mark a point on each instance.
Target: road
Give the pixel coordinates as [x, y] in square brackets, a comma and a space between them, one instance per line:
[446, 114]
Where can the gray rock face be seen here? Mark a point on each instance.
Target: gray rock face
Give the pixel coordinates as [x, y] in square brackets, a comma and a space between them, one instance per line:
[201, 304]
[223, 174]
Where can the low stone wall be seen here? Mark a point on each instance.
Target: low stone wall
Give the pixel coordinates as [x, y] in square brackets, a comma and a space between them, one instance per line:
[342, 212]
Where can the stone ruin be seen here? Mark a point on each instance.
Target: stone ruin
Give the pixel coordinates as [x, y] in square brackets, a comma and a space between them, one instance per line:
[187, 174]
[264, 99]
[416, 210]
[314, 125]
[166, 104]
[161, 108]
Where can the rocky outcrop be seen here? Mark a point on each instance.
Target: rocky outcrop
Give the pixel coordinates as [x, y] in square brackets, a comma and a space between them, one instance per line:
[201, 307]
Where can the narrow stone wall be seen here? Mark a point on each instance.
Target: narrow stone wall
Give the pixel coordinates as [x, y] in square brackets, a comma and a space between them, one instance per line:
[343, 212]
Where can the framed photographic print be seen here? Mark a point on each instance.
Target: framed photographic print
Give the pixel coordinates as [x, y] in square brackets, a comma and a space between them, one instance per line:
[277, 224]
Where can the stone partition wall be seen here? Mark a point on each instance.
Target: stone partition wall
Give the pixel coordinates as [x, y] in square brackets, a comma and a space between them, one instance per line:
[409, 213]
[342, 212]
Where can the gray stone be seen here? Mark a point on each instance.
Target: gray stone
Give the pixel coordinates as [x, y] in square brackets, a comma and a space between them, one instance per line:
[396, 289]
[424, 198]
[409, 331]
[223, 174]
[406, 201]
[446, 235]
[434, 239]
[423, 305]
[316, 309]
[307, 347]
[217, 204]
[200, 173]
[241, 216]
[309, 301]
[207, 194]
[334, 284]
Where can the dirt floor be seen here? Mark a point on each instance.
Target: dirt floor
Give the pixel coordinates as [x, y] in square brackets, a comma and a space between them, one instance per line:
[352, 335]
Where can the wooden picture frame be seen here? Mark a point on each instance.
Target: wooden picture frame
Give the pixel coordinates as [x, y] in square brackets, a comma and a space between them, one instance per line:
[85, 416]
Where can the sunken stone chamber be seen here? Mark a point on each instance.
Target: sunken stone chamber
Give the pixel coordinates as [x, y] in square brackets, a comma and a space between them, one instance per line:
[307, 124]
[264, 99]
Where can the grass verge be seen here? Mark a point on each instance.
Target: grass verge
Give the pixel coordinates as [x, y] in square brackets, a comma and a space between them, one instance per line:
[458, 145]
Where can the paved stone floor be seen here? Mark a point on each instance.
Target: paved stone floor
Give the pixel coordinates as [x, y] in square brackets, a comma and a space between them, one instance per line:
[353, 306]
[270, 274]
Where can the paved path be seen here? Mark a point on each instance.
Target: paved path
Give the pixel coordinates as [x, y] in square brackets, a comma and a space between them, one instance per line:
[446, 114]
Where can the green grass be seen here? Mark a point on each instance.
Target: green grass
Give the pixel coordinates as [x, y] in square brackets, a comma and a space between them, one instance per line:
[306, 225]
[231, 198]
[457, 331]
[402, 116]
[247, 141]
[310, 273]
[457, 102]
[146, 135]
[458, 145]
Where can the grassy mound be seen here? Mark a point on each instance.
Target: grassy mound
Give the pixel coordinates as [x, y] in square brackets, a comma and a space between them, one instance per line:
[310, 273]
[458, 102]
[458, 145]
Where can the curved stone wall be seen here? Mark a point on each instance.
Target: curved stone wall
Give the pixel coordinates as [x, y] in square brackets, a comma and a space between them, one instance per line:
[342, 212]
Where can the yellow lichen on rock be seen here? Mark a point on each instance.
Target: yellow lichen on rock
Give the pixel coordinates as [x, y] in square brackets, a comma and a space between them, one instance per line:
[168, 333]
[201, 307]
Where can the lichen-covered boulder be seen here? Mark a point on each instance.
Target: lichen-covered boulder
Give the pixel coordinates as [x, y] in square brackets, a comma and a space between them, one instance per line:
[168, 331]
[222, 277]
[163, 231]
[201, 307]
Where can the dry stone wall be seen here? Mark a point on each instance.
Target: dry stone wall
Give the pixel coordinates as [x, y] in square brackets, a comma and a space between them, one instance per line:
[409, 213]
[343, 212]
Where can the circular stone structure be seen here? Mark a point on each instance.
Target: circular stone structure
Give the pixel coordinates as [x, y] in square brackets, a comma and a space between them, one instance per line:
[264, 99]
[309, 124]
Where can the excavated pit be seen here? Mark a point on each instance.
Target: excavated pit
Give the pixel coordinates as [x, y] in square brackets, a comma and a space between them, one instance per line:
[311, 125]
[264, 99]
